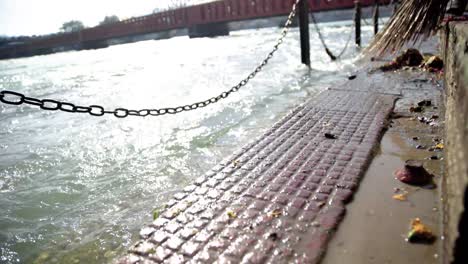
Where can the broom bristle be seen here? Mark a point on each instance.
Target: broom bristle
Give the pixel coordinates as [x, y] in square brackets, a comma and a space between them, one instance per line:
[414, 19]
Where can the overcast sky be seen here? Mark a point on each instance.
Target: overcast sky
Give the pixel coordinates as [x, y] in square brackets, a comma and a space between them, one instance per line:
[28, 17]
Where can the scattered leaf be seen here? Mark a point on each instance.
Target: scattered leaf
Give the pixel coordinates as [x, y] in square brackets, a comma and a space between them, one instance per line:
[232, 214]
[439, 146]
[156, 214]
[330, 136]
[400, 197]
[275, 213]
[420, 233]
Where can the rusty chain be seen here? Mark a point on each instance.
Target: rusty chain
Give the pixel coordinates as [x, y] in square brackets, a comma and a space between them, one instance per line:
[15, 98]
[324, 44]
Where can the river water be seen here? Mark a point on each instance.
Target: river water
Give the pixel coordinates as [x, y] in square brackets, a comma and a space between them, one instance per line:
[76, 188]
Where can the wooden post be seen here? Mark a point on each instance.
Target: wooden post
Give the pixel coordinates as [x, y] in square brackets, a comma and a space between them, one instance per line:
[357, 22]
[304, 31]
[375, 17]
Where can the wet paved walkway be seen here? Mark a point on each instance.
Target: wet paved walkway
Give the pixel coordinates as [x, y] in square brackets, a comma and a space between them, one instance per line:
[280, 198]
[376, 224]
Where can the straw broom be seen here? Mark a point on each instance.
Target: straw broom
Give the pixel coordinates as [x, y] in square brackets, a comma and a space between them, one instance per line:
[414, 20]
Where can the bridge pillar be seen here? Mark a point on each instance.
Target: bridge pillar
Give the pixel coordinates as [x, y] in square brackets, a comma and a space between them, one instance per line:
[208, 30]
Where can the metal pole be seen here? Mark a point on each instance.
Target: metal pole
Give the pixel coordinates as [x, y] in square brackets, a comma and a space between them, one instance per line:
[376, 17]
[304, 31]
[357, 22]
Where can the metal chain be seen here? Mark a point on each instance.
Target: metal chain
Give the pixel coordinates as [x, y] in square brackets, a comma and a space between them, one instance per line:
[14, 98]
[324, 44]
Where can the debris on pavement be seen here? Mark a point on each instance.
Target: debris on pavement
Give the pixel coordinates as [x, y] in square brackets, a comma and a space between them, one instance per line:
[433, 64]
[273, 236]
[426, 120]
[414, 173]
[231, 214]
[275, 213]
[416, 109]
[439, 146]
[434, 124]
[400, 197]
[156, 214]
[410, 57]
[420, 107]
[423, 119]
[425, 103]
[330, 136]
[420, 233]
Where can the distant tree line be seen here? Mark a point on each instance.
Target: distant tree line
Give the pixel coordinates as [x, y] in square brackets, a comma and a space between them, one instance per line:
[76, 25]
[6, 41]
[109, 20]
[72, 26]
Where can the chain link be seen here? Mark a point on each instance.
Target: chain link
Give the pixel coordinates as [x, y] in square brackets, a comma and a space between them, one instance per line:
[14, 98]
[324, 44]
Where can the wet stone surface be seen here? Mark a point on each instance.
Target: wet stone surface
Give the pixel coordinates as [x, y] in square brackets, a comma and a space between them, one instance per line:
[279, 198]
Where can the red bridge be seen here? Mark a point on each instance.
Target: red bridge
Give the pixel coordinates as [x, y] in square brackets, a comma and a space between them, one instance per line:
[197, 19]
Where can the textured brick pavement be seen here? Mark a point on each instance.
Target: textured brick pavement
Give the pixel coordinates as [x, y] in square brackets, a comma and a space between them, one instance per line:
[278, 199]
